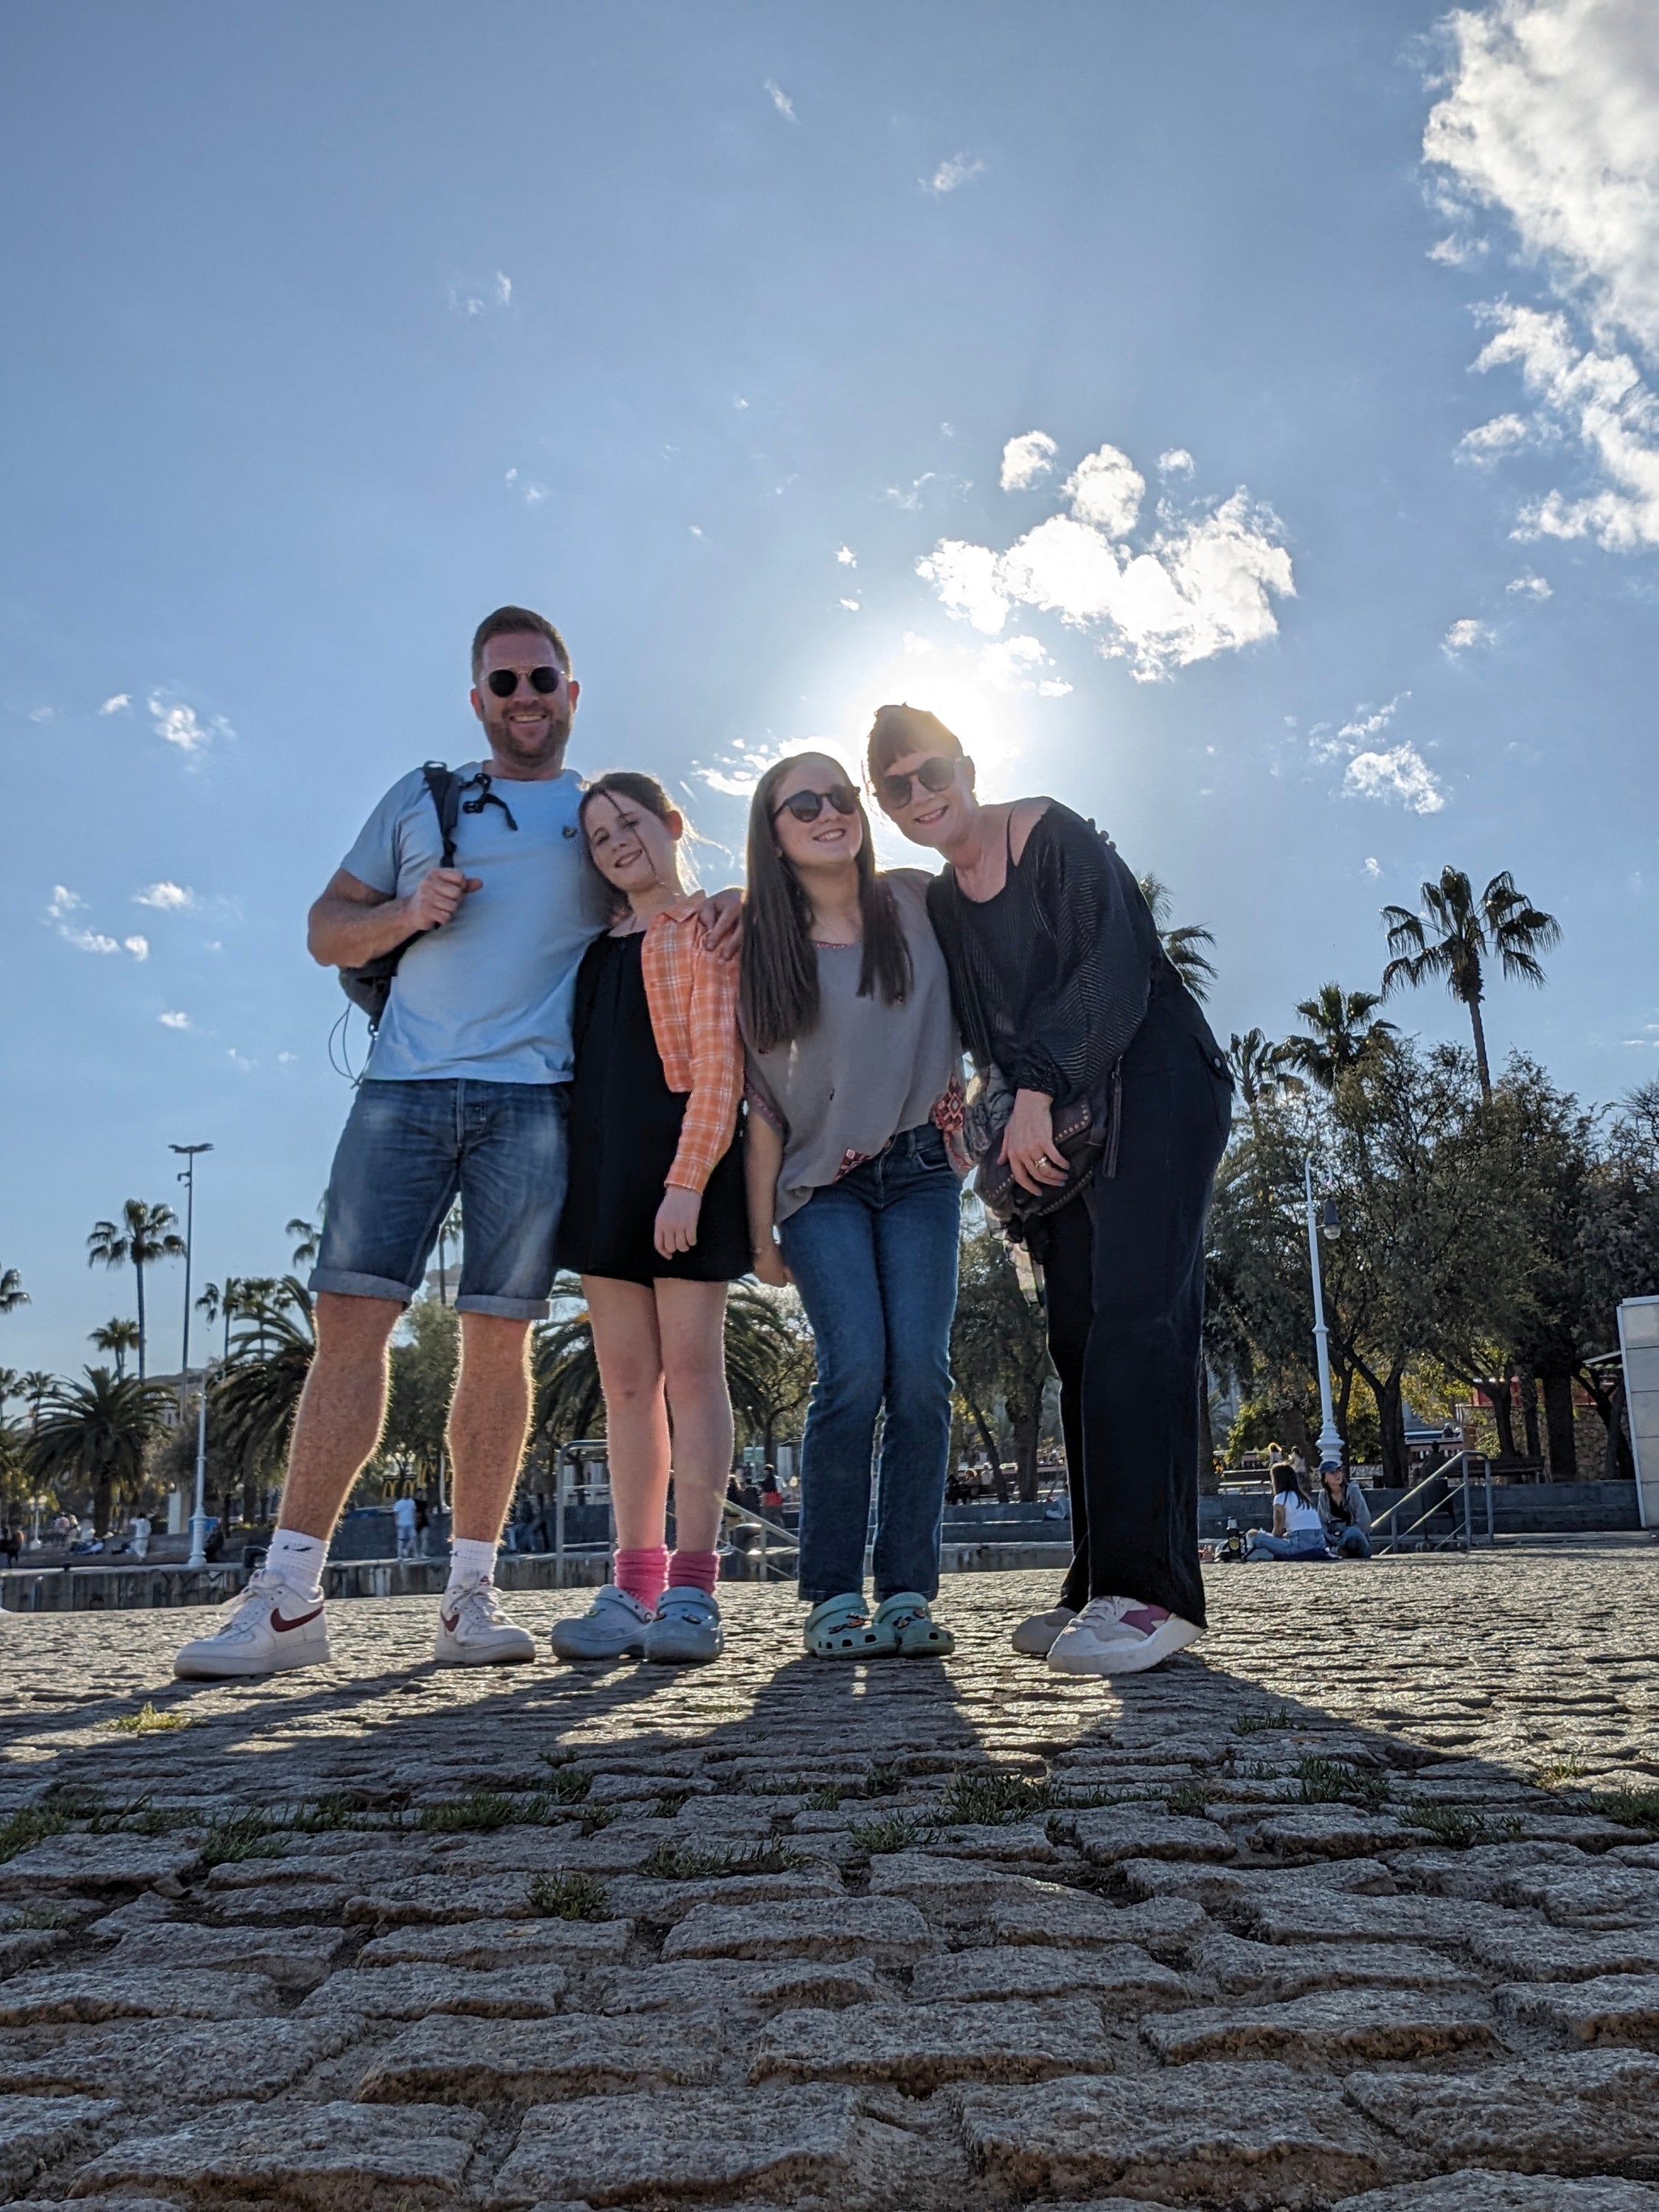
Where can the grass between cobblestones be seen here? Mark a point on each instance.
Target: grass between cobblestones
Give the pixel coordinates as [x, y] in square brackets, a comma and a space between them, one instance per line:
[1637, 1808]
[568, 1897]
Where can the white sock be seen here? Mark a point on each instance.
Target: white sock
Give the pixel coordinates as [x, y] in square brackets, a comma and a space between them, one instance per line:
[468, 1559]
[299, 1559]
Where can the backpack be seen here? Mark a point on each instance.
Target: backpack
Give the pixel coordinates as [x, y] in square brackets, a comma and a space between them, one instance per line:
[370, 985]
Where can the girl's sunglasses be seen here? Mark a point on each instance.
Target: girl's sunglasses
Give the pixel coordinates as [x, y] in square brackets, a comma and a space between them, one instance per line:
[504, 682]
[935, 775]
[807, 805]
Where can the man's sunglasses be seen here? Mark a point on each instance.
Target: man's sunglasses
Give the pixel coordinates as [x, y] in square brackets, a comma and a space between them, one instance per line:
[504, 682]
[807, 805]
[935, 775]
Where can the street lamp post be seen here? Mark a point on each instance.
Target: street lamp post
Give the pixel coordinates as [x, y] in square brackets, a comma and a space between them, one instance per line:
[198, 1518]
[1330, 1443]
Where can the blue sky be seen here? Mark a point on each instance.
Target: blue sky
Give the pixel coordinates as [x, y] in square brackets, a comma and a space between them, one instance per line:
[717, 334]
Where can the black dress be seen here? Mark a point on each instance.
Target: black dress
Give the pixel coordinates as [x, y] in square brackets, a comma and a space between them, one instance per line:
[624, 1132]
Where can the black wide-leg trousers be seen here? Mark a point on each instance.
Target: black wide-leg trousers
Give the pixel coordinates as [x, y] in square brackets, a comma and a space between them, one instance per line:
[1125, 1288]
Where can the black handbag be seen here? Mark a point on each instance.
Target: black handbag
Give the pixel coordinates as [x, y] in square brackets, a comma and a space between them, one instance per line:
[1085, 1135]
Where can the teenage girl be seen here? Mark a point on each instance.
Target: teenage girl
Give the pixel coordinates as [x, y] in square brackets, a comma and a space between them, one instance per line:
[854, 1079]
[655, 1224]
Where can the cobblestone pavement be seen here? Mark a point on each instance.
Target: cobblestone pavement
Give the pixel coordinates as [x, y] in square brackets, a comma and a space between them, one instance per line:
[1330, 1911]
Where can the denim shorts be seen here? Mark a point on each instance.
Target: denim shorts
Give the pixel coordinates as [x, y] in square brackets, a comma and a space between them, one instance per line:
[407, 1149]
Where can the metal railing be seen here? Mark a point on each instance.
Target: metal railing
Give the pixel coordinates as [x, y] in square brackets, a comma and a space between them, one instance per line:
[1453, 1483]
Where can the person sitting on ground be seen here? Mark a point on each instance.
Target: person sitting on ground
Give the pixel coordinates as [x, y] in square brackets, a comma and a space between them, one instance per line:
[1297, 1531]
[1346, 1515]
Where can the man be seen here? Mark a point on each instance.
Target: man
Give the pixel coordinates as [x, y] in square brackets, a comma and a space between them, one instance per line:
[466, 1091]
[402, 1520]
[140, 1535]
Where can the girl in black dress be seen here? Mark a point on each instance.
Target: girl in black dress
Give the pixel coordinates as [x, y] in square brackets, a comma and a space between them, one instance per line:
[1068, 1002]
[656, 1224]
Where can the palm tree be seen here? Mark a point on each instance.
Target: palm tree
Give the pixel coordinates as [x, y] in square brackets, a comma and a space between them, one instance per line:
[95, 1434]
[308, 1237]
[259, 1386]
[1342, 1037]
[11, 1386]
[143, 1235]
[769, 1365]
[1501, 925]
[1258, 1066]
[34, 1387]
[118, 1336]
[12, 1293]
[449, 1233]
[1183, 945]
[569, 1402]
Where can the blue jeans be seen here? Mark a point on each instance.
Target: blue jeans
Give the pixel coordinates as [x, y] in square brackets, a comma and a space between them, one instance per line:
[1262, 1546]
[407, 1151]
[874, 1257]
[1353, 1544]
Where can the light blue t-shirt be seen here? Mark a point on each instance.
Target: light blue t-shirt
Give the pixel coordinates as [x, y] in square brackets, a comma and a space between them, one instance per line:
[488, 996]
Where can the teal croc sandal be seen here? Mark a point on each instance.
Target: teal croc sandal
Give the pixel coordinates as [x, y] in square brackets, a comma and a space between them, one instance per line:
[841, 1628]
[907, 1628]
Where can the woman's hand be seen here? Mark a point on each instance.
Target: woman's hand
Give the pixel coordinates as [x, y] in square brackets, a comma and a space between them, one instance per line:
[1027, 1143]
[677, 1220]
[768, 1265]
[722, 915]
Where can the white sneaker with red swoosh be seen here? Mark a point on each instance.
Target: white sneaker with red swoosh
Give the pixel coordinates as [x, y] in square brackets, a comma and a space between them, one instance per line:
[474, 1631]
[270, 1627]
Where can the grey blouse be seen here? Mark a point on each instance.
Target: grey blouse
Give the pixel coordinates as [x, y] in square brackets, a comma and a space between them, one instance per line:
[868, 1070]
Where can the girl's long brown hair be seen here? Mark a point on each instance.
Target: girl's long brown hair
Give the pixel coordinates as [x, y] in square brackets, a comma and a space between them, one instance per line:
[780, 964]
[645, 791]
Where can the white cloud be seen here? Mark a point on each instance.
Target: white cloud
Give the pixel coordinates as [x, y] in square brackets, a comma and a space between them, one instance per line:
[1552, 121]
[1529, 588]
[1176, 462]
[1368, 723]
[1489, 442]
[1401, 773]
[846, 557]
[181, 726]
[779, 99]
[138, 946]
[1464, 636]
[43, 714]
[1602, 399]
[851, 605]
[1373, 867]
[1106, 488]
[1203, 586]
[286, 1059]
[113, 706]
[239, 1061]
[62, 902]
[165, 898]
[737, 772]
[174, 1021]
[1016, 665]
[89, 940]
[503, 288]
[914, 644]
[1459, 253]
[955, 172]
[1026, 458]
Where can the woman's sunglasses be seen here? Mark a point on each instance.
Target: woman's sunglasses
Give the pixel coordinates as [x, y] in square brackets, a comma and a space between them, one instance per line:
[935, 775]
[807, 805]
[504, 682]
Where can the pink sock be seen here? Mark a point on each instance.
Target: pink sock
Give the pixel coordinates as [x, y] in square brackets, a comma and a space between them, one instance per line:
[695, 1571]
[643, 1574]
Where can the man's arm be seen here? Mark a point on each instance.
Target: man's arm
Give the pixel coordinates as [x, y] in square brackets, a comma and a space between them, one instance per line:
[353, 923]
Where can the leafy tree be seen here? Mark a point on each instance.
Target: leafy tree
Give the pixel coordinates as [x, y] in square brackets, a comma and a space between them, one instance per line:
[308, 1238]
[118, 1336]
[999, 1353]
[95, 1436]
[1185, 946]
[1455, 936]
[770, 1366]
[450, 1232]
[143, 1235]
[422, 1382]
[1340, 1037]
[12, 1293]
[569, 1402]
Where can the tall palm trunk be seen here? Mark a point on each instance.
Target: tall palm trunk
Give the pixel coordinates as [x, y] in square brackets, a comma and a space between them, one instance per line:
[1482, 1067]
[138, 1270]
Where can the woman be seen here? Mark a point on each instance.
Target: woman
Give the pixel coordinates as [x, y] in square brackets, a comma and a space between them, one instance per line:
[656, 1225]
[1299, 1530]
[854, 1079]
[1069, 1006]
[1345, 1513]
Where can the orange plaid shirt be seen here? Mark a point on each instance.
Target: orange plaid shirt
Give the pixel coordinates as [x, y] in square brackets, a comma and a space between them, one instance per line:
[692, 998]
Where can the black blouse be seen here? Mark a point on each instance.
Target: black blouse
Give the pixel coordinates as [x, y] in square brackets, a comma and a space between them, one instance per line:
[1053, 977]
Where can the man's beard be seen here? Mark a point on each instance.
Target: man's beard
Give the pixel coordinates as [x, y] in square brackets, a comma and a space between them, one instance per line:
[535, 745]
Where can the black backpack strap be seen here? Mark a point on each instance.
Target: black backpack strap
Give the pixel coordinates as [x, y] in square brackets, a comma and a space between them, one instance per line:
[445, 787]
